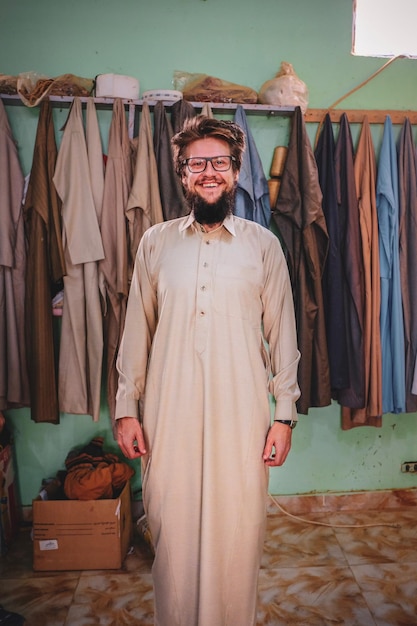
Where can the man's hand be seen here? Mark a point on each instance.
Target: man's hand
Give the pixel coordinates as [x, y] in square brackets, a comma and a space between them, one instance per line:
[279, 438]
[130, 437]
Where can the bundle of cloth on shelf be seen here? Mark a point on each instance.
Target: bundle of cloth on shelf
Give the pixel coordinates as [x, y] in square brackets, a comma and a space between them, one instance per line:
[93, 473]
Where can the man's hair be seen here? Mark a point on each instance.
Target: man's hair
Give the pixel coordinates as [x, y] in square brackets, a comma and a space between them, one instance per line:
[200, 127]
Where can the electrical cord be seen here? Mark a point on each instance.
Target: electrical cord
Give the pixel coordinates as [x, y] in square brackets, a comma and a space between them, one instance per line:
[307, 521]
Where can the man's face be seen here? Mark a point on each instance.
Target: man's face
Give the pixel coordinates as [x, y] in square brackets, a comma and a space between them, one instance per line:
[209, 185]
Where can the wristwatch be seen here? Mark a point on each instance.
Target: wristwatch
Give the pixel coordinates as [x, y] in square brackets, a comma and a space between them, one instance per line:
[291, 423]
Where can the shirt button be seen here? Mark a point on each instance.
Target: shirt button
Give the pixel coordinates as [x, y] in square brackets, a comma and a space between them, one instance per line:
[207, 243]
[203, 288]
[205, 264]
[202, 314]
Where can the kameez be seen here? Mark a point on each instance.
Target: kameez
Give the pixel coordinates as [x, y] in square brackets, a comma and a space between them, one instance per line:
[392, 324]
[252, 193]
[407, 181]
[298, 216]
[81, 345]
[45, 270]
[113, 269]
[193, 353]
[365, 183]
[14, 383]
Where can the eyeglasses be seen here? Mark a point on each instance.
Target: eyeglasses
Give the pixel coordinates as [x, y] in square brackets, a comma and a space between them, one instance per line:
[196, 165]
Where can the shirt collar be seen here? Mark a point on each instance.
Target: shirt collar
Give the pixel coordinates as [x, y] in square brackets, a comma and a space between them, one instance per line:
[228, 223]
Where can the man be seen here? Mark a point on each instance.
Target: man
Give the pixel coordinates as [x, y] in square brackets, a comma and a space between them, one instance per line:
[209, 332]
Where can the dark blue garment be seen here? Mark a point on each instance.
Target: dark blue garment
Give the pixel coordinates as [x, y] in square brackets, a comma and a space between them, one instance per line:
[407, 186]
[392, 324]
[334, 282]
[252, 194]
[352, 396]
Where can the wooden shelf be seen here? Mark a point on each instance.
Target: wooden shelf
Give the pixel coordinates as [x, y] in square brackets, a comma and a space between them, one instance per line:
[356, 116]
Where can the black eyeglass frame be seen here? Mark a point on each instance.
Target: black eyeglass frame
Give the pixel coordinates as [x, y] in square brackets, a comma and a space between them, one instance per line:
[206, 160]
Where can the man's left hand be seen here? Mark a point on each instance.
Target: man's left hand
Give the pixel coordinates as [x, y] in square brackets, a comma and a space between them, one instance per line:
[278, 444]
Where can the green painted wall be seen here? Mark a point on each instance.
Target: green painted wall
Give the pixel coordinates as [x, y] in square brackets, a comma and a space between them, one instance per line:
[243, 41]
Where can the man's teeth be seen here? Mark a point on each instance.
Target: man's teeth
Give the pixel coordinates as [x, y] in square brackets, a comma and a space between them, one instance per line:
[209, 184]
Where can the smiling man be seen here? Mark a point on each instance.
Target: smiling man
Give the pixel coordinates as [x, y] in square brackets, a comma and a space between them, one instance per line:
[209, 335]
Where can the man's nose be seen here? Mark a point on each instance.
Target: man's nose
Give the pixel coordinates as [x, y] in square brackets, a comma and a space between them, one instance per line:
[209, 164]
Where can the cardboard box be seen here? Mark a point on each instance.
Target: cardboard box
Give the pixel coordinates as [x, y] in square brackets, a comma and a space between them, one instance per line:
[78, 535]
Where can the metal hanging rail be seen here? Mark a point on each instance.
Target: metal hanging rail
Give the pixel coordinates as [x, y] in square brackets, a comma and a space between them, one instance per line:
[375, 116]
[261, 109]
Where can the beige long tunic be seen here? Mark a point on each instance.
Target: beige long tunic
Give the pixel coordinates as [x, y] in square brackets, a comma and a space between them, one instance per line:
[113, 269]
[81, 346]
[14, 383]
[196, 307]
[144, 205]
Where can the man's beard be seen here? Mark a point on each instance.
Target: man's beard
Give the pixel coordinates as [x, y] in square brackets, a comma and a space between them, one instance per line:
[211, 212]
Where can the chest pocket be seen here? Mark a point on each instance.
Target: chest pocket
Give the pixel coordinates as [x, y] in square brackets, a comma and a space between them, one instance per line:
[237, 292]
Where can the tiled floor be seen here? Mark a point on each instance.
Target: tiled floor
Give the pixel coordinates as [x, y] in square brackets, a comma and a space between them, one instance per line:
[344, 570]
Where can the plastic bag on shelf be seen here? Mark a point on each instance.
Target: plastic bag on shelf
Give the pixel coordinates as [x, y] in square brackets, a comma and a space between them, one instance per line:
[286, 89]
[204, 88]
[33, 87]
[8, 84]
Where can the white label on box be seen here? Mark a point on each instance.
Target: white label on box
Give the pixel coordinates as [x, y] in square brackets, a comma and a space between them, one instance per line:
[48, 544]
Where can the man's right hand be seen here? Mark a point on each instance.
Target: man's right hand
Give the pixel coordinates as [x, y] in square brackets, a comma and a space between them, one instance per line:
[130, 437]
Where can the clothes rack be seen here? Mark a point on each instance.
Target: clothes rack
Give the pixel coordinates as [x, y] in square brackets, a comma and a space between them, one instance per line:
[355, 116]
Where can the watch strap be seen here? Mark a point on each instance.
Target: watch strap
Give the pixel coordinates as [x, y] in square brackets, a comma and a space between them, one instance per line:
[291, 423]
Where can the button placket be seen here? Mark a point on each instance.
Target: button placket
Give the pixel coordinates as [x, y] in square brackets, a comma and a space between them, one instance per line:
[203, 294]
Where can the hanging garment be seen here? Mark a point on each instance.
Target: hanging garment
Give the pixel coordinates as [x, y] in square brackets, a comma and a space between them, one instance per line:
[144, 205]
[96, 168]
[206, 411]
[365, 183]
[45, 270]
[14, 383]
[207, 110]
[252, 193]
[181, 111]
[407, 182]
[170, 188]
[353, 395]
[334, 281]
[95, 157]
[114, 266]
[81, 345]
[392, 323]
[298, 216]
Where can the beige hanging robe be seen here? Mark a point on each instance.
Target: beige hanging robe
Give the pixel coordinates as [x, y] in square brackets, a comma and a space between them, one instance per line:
[144, 205]
[14, 383]
[81, 346]
[114, 266]
[96, 166]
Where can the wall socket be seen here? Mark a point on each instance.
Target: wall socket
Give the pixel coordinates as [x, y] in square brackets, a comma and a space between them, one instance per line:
[409, 467]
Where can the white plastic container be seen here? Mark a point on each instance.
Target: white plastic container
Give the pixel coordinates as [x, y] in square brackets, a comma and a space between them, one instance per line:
[117, 86]
[170, 95]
